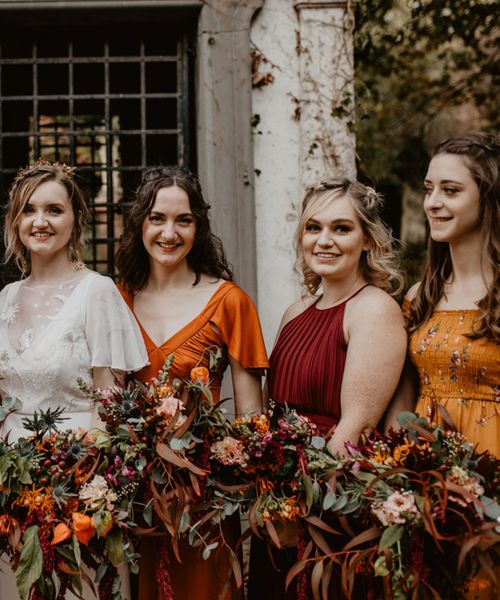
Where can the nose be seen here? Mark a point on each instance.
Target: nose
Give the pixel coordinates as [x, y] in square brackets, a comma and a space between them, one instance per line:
[40, 219]
[433, 199]
[325, 238]
[168, 230]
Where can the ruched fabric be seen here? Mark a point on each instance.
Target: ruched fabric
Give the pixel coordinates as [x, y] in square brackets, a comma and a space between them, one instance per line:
[307, 364]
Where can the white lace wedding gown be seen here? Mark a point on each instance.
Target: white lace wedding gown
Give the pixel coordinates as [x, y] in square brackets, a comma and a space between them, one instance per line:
[50, 336]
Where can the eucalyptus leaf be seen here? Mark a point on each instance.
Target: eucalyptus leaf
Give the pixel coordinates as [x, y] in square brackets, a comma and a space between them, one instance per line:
[208, 549]
[339, 503]
[329, 500]
[180, 443]
[148, 513]
[491, 508]
[318, 442]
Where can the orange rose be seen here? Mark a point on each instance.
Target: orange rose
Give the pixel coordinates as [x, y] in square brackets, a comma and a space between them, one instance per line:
[82, 525]
[61, 533]
[200, 375]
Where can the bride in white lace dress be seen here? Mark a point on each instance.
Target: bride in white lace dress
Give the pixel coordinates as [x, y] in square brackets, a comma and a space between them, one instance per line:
[62, 321]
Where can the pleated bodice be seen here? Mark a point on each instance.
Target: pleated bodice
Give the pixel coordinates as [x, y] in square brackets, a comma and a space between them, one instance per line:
[307, 364]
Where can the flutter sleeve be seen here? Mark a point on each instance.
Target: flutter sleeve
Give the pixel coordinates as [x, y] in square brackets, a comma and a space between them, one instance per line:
[238, 322]
[113, 336]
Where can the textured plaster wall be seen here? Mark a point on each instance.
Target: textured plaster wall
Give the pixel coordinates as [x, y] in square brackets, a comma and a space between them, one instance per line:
[302, 109]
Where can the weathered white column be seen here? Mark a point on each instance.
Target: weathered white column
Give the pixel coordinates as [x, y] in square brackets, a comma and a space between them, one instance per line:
[303, 113]
[327, 146]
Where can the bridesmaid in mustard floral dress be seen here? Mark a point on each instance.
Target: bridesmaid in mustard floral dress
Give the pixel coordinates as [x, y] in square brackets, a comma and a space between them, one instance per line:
[453, 313]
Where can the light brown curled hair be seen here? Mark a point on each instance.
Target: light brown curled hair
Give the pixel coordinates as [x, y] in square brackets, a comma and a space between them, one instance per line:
[25, 183]
[378, 265]
[480, 153]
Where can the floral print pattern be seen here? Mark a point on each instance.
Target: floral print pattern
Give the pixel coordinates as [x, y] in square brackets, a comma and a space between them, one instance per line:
[460, 373]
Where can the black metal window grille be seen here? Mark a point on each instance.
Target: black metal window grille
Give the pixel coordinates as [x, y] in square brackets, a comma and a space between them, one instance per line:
[108, 102]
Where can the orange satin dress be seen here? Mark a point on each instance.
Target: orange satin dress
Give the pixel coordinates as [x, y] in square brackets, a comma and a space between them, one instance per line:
[229, 321]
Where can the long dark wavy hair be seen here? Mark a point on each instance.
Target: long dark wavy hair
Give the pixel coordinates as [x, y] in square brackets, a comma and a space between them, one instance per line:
[207, 255]
[481, 155]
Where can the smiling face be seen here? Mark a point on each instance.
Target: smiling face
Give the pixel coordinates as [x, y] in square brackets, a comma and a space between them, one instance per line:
[452, 199]
[47, 220]
[333, 240]
[169, 230]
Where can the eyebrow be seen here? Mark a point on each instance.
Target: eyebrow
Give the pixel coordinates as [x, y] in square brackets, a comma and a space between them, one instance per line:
[50, 204]
[445, 181]
[339, 220]
[162, 214]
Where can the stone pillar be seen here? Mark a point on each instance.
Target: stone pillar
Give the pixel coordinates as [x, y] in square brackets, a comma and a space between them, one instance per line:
[327, 145]
[302, 116]
[225, 153]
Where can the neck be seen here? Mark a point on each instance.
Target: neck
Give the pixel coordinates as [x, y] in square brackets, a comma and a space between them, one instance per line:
[467, 261]
[164, 278]
[53, 270]
[335, 291]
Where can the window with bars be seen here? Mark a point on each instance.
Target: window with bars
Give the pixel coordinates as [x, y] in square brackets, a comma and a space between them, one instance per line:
[108, 101]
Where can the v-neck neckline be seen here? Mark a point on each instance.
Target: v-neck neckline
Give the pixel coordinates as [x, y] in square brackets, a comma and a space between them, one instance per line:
[182, 333]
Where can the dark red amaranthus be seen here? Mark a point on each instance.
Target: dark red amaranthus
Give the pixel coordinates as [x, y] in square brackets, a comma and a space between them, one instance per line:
[106, 584]
[165, 591]
[303, 588]
[44, 535]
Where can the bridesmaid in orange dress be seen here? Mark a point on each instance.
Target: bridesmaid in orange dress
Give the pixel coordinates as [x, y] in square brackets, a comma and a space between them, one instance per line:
[176, 280]
[454, 312]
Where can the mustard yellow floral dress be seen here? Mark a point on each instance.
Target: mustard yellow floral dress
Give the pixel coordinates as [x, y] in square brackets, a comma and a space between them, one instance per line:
[461, 374]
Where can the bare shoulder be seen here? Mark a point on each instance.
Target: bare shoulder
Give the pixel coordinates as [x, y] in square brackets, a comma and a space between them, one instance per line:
[373, 303]
[296, 308]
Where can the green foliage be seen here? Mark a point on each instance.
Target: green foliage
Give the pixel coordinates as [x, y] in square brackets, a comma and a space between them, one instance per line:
[414, 60]
[30, 562]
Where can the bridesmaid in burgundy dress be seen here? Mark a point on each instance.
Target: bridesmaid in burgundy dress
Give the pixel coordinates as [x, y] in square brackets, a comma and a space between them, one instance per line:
[341, 347]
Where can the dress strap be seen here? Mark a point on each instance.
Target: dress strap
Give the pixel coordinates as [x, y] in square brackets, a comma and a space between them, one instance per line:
[356, 292]
[313, 305]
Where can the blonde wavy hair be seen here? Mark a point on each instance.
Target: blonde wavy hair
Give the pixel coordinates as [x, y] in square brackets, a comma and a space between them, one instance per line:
[24, 185]
[379, 265]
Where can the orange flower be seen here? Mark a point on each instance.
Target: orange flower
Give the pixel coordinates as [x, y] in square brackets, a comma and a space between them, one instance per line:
[7, 524]
[261, 423]
[36, 499]
[200, 375]
[164, 390]
[82, 524]
[61, 533]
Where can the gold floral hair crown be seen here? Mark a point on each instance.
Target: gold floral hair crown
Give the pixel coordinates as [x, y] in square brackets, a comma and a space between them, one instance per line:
[40, 166]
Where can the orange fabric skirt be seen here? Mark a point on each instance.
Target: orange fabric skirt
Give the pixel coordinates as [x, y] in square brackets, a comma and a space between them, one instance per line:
[194, 578]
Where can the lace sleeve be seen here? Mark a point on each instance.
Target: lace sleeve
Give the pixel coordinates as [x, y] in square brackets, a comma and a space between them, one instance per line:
[113, 336]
